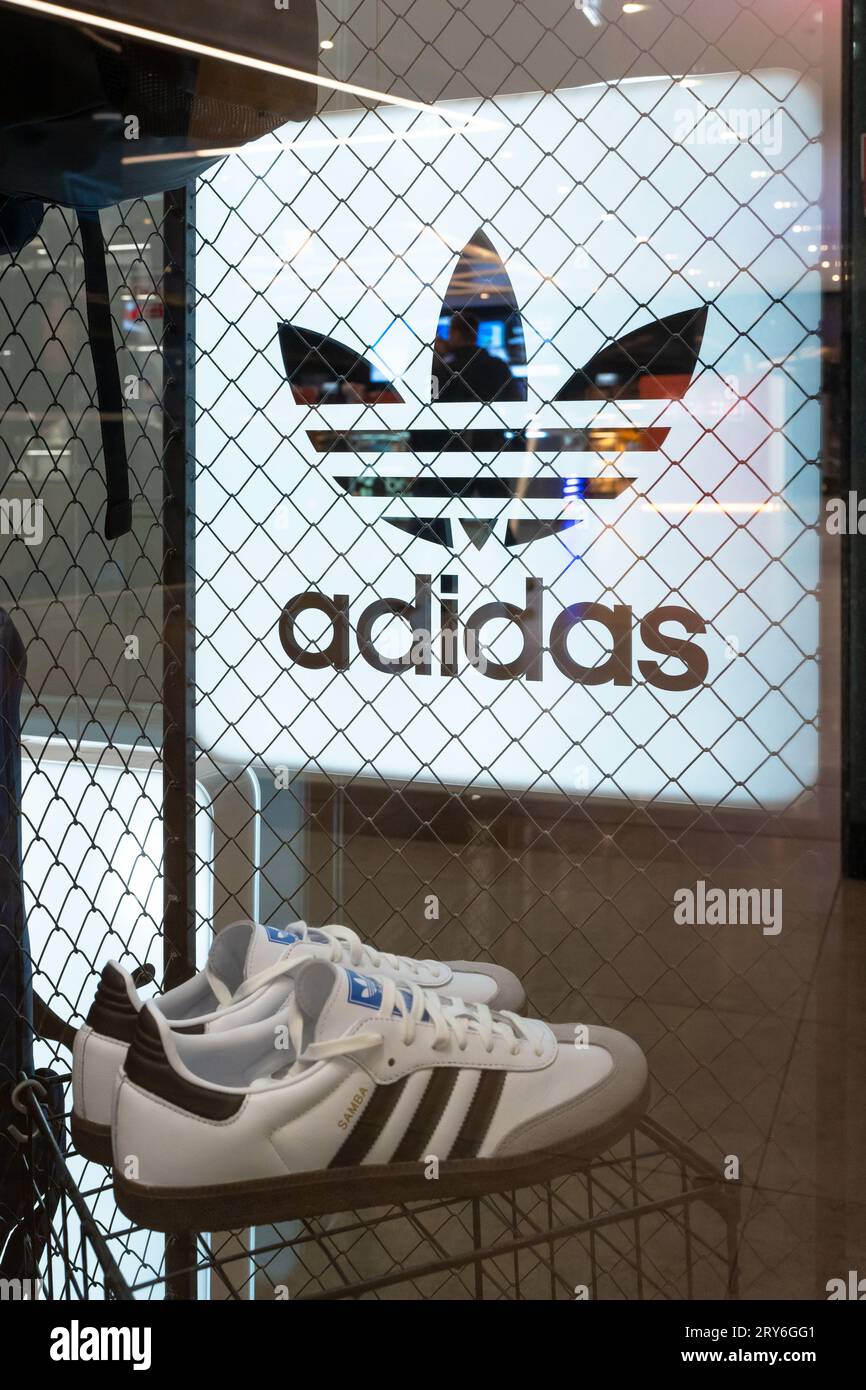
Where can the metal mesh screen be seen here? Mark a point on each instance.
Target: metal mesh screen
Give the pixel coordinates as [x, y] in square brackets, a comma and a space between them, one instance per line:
[621, 171]
[577, 179]
[90, 615]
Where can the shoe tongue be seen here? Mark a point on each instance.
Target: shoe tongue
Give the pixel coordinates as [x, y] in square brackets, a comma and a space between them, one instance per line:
[270, 944]
[333, 998]
[246, 948]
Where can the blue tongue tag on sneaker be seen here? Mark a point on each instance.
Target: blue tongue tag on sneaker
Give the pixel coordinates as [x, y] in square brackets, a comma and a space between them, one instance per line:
[366, 992]
[267, 945]
[282, 936]
[287, 936]
[335, 998]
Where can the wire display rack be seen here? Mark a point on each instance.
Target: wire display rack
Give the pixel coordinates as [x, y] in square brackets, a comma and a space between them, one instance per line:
[651, 1220]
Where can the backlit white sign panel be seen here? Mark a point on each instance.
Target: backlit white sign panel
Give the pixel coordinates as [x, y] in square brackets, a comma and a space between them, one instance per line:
[608, 537]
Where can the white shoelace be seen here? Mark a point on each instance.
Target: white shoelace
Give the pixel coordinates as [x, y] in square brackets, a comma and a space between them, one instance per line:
[453, 1021]
[360, 953]
[345, 947]
[223, 994]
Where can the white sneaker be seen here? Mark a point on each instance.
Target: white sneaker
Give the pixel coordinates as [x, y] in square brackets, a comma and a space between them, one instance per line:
[247, 977]
[361, 1092]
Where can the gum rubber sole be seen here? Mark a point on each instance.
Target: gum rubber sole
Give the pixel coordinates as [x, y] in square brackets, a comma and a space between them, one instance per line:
[92, 1141]
[263, 1201]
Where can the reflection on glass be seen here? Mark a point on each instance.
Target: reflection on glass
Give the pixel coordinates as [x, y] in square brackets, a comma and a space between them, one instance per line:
[322, 371]
[655, 362]
[480, 353]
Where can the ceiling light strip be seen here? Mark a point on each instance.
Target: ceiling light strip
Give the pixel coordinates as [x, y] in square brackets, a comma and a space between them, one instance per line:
[203, 50]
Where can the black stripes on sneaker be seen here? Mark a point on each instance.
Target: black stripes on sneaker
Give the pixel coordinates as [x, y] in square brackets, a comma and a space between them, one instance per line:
[474, 1129]
[431, 1108]
[369, 1125]
[425, 1119]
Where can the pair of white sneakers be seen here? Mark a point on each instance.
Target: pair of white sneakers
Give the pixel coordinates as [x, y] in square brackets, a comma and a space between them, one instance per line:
[303, 1072]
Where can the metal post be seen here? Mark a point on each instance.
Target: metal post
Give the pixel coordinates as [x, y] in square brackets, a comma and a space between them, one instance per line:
[476, 1246]
[853, 365]
[178, 753]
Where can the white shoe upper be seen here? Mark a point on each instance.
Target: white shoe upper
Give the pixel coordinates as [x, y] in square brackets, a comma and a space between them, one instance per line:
[359, 1070]
[248, 976]
[265, 947]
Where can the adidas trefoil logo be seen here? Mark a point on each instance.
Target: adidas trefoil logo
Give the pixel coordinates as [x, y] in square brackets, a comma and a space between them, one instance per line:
[480, 356]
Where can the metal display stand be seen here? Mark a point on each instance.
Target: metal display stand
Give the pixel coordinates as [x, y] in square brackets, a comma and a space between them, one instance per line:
[651, 1220]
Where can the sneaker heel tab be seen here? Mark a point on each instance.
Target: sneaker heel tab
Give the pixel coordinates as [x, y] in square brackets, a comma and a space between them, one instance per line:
[148, 1026]
[149, 1067]
[115, 1008]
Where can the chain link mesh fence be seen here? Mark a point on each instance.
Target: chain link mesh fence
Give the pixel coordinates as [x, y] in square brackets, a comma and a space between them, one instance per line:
[90, 617]
[585, 177]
